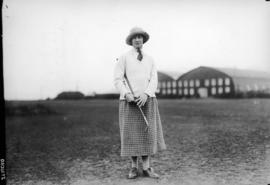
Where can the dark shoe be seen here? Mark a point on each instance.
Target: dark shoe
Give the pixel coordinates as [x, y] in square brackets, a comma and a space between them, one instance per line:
[133, 173]
[150, 173]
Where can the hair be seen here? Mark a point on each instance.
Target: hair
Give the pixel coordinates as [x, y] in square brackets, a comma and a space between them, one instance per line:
[140, 35]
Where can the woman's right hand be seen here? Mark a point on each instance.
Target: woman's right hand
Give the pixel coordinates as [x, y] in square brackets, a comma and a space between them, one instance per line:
[129, 97]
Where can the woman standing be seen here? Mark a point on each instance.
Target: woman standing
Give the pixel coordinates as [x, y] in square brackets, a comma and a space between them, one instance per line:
[139, 70]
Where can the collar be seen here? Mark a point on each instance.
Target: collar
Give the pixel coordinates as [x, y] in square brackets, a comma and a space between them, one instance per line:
[134, 51]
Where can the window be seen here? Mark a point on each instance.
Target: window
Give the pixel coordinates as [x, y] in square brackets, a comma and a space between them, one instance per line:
[197, 83]
[191, 91]
[159, 85]
[180, 83]
[164, 91]
[213, 81]
[185, 91]
[185, 83]
[191, 83]
[174, 84]
[220, 90]
[164, 84]
[220, 81]
[227, 81]
[174, 91]
[227, 89]
[213, 90]
[206, 82]
[168, 84]
[168, 91]
[180, 91]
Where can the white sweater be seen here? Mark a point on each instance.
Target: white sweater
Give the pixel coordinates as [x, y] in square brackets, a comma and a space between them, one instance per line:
[142, 75]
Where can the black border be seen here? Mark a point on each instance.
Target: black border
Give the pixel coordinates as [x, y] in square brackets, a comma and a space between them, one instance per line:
[3, 177]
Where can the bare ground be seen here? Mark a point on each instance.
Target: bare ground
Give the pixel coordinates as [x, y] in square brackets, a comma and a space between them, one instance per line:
[77, 142]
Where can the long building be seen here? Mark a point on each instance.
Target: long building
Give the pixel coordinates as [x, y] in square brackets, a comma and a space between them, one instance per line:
[222, 82]
[167, 87]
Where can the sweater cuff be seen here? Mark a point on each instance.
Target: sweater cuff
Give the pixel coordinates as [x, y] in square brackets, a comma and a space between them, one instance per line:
[147, 93]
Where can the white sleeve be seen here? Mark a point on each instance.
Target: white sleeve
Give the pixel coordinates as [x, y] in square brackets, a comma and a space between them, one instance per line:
[152, 86]
[119, 80]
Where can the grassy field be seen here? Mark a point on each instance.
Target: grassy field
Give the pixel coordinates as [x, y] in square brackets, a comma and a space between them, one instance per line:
[209, 141]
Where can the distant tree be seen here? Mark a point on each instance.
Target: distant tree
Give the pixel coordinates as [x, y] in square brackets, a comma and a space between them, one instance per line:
[70, 95]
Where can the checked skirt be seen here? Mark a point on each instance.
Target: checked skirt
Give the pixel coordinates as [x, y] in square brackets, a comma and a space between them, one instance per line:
[134, 140]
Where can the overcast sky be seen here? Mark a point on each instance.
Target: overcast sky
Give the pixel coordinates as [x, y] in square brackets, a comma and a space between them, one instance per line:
[52, 46]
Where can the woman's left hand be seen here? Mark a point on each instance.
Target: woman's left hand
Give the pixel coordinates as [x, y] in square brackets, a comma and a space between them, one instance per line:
[141, 99]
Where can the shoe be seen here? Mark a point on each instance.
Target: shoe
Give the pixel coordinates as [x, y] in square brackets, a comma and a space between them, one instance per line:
[150, 173]
[133, 173]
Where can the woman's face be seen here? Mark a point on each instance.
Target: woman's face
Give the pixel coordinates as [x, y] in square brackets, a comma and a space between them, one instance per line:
[137, 41]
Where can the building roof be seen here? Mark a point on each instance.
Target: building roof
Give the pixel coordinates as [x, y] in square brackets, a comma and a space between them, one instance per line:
[234, 72]
[172, 75]
[70, 95]
[162, 76]
[211, 72]
[202, 72]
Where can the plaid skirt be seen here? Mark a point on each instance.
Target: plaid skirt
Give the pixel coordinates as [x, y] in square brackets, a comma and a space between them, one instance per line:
[134, 140]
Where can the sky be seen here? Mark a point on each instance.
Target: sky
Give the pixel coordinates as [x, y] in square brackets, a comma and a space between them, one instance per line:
[52, 46]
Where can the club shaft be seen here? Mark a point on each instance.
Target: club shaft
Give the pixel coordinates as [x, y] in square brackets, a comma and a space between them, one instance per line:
[132, 92]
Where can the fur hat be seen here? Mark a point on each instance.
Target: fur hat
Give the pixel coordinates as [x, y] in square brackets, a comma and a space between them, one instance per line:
[137, 31]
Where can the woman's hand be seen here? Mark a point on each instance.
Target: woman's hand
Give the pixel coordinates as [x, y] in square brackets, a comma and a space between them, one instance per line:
[129, 97]
[141, 100]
